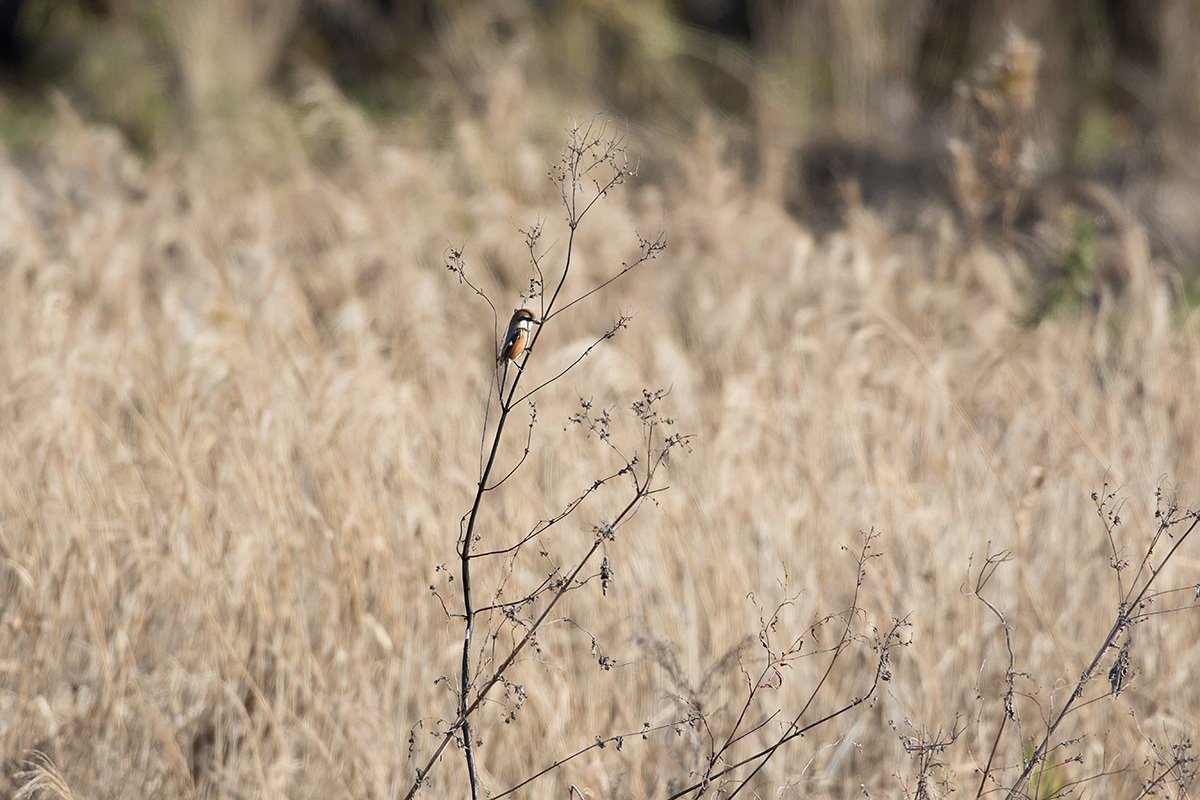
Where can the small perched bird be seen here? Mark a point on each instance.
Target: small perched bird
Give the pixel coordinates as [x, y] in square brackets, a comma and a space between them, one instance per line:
[520, 329]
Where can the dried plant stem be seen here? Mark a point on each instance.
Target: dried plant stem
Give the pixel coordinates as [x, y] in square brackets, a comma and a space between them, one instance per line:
[591, 156]
[1125, 616]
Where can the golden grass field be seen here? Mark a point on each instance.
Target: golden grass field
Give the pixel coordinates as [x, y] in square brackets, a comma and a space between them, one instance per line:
[241, 402]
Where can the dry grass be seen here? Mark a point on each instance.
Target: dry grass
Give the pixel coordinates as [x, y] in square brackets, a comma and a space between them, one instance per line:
[240, 402]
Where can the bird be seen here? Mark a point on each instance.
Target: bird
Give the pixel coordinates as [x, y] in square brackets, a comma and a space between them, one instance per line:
[520, 329]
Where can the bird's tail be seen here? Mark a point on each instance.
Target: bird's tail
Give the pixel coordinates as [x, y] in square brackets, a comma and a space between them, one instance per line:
[503, 374]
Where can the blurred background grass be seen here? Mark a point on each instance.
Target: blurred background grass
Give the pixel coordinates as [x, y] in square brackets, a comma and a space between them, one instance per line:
[817, 95]
[932, 268]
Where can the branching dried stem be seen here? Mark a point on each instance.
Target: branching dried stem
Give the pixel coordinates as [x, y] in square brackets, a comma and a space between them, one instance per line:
[1178, 766]
[926, 749]
[600, 743]
[592, 163]
[545, 525]
[1128, 613]
[796, 727]
[524, 453]
[992, 562]
[621, 323]
[1136, 598]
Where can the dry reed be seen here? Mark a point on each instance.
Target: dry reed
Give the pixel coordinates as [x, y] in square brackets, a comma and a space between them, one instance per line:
[240, 401]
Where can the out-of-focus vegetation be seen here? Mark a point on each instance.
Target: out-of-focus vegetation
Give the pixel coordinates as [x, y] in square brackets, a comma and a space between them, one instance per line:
[932, 269]
[1114, 75]
[819, 95]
